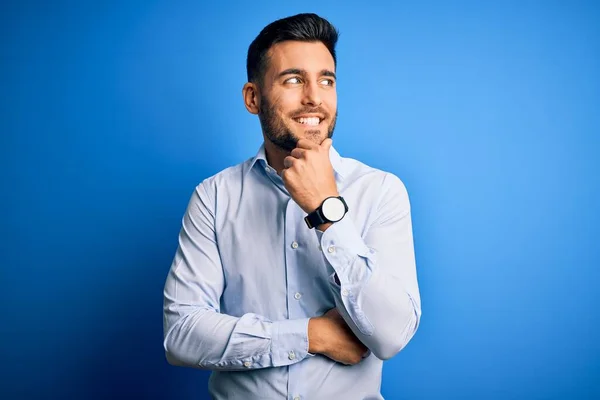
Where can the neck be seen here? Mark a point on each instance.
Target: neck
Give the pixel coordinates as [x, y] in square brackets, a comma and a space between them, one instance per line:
[275, 156]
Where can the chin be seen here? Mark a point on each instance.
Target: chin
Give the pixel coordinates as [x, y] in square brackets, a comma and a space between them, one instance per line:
[316, 138]
[311, 131]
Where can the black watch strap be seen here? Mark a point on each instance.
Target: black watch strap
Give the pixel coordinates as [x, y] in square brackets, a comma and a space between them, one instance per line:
[315, 218]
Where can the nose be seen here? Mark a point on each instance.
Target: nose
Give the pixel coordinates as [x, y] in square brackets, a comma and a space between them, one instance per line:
[311, 97]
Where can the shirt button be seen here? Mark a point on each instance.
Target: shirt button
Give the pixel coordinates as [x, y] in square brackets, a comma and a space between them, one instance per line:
[331, 249]
[291, 355]
[297, 296]
[247, 363]
[294, 245]
[344, 292]
[267, 169]
[297, 398]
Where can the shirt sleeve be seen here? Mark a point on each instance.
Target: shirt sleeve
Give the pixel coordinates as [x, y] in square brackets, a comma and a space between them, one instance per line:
[376, 289]
[196, 334]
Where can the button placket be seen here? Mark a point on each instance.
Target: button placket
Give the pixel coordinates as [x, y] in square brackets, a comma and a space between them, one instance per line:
[299, 280]
[291, 258]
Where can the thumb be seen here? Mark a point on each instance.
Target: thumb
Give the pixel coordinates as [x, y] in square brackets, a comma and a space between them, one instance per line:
[327, 143]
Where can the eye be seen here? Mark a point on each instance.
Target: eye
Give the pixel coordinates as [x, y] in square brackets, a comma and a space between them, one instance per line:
[327, 82]
[293, 80]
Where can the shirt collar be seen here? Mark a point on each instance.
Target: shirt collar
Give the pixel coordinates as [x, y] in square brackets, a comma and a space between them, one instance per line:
[337, 161]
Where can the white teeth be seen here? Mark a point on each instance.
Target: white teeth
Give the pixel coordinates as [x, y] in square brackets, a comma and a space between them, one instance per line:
[309, 121]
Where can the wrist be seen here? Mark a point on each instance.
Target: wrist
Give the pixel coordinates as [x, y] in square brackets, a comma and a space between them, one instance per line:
[323, 227]
[316, 338]
[330, 210]
[317, 201]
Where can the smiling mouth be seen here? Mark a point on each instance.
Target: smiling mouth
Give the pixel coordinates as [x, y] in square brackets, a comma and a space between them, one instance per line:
[308, 121]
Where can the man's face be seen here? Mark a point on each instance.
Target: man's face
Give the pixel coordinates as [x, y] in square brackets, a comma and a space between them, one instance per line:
[298, 96]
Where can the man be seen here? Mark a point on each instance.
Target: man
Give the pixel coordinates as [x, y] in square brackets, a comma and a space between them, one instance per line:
[295, 272]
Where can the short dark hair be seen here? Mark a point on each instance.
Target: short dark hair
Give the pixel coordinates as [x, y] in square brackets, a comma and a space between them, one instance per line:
[301, 27]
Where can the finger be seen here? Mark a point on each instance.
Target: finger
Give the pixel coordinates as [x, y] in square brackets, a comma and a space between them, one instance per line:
[298, 152]
[327, 143]
[332, 312]
[288, 162]
[306, 144]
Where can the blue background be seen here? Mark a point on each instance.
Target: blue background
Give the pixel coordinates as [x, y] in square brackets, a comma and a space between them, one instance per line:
[111, 113]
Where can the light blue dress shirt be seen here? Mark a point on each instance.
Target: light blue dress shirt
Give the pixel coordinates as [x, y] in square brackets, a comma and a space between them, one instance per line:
[248, 274]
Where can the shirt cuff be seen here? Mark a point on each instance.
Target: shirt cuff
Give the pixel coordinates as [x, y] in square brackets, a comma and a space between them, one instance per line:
[289, 341]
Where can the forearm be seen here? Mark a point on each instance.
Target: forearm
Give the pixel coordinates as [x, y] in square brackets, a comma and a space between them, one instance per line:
[206, 339]
[376, 290]
[196, 334]
[383, 316]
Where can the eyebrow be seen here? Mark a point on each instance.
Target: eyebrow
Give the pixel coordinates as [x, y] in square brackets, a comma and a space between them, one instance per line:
[296, 71]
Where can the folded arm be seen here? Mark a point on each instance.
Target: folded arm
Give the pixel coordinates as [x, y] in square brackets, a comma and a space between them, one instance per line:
[375, 282]
[196, 334]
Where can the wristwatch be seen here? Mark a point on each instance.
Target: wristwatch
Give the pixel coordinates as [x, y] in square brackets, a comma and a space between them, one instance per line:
[332, 209]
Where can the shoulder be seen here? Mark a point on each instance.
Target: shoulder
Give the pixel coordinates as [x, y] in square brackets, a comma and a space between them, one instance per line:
[228, 178]
[383, 181]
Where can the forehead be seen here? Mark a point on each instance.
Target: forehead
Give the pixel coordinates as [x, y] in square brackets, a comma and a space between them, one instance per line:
[312, 57]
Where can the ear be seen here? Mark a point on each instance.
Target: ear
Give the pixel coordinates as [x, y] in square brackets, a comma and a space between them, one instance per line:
[251, 97]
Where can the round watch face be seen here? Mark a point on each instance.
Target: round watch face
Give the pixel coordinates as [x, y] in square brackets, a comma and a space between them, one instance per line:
[333, 209]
